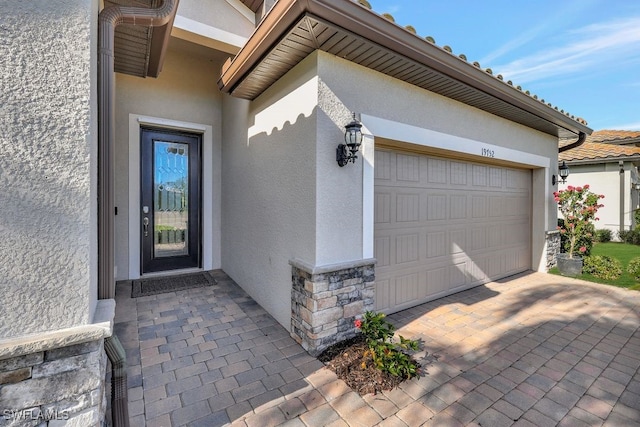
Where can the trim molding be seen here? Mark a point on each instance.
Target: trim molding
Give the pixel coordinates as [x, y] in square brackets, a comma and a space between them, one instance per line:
[210, 239]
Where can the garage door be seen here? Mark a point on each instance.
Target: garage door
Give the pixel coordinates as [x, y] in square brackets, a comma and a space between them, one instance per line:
[443, 225]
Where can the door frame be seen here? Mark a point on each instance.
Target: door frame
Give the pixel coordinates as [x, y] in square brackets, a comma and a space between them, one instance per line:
[210, 190]
[192, 258]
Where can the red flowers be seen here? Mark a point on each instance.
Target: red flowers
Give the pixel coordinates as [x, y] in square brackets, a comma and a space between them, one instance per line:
[358, 323]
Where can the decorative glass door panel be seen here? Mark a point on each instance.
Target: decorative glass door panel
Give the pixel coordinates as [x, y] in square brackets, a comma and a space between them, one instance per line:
[170, 212]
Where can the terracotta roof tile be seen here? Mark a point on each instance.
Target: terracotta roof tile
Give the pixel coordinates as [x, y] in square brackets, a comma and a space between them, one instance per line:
[599, 151]
[609, 136]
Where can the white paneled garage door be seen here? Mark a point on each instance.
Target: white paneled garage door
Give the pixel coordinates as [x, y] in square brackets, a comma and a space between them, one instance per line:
[444, 225]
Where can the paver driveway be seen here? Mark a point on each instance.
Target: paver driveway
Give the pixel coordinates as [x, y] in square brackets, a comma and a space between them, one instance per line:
[533, 350]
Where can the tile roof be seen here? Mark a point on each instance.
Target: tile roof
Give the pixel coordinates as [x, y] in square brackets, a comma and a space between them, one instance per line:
[293, 29]
[600, 151]
[613, 136]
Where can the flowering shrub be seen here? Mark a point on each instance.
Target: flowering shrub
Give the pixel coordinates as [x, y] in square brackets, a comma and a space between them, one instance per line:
[382, 351]
[578, 206]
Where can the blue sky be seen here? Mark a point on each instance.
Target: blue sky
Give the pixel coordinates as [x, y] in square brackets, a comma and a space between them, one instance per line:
[582, 56]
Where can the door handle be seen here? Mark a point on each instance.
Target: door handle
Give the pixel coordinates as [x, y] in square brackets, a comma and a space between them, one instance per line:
[145, 225]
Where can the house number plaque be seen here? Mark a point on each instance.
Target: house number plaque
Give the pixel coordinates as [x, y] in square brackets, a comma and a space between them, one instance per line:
[488, 153]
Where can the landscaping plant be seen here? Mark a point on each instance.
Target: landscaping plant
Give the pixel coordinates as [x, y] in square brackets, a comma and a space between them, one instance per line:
[386, 355]
[578, 207]
[602, 267]
[634, 268]
[603, 235]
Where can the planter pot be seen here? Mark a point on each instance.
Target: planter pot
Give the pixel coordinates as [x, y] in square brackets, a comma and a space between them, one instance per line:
[569, 266]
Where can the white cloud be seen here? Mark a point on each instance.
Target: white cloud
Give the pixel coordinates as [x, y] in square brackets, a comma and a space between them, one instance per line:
[629, 126]
[557, 20]
[589, 49]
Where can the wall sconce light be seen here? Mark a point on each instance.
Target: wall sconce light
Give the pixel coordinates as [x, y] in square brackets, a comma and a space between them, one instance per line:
[563, 171]
[346, 153]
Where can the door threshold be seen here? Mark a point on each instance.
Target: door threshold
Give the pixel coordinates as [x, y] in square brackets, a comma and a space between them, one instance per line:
[177, 272]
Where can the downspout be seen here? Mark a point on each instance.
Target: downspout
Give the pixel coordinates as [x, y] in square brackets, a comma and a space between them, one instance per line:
[622, 198]
[108, 20]
[581, 138]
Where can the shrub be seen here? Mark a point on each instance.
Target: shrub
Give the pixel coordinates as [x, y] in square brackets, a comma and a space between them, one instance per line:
[602, 267]
[385, 354]
[634, 268]
[603, 235]
[578, 207]
[630, 236]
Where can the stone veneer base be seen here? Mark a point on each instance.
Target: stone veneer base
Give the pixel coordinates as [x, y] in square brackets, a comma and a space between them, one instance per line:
[58, 377]
[553, 247]
[326, 300]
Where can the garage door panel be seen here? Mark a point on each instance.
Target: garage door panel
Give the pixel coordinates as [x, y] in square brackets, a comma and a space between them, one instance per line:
[442, 226]
[458, 173]
[407, 248]
[408, 207]
[408, 168]
[436, 207]
[436, 244]
[405, 288]
[436, 171]
[382, 250]
[382, 208]
[457, 241]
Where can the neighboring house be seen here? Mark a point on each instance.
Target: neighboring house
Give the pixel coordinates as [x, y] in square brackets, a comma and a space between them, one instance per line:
[608, 161]
[227, 160]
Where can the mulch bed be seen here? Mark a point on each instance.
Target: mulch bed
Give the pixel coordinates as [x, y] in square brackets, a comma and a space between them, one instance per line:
[346, 360]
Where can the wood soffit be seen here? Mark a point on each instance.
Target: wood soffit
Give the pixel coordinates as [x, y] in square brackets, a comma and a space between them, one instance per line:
[293, 29]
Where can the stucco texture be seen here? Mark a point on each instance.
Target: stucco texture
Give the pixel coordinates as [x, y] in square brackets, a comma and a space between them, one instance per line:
[219, 14]
[185, 91]
[365, 91]
[47, 174]
[285, 197]
[269, 194]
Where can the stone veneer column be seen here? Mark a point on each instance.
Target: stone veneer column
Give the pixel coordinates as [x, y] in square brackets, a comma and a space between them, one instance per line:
[57, 378]
[326, 300]
[553, 241]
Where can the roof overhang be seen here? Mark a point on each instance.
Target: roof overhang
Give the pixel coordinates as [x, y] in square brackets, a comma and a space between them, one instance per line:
[293, 29]
[140, 50]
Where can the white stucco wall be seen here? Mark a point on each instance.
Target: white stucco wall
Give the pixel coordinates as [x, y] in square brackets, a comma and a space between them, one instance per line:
[224, 25]
[48, 255]
[348, 87]
[285, 197]
[269, 196]
[185, 91]
[604, 178]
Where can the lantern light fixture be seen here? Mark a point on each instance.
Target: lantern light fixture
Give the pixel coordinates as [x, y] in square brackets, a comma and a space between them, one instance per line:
[563, 170]
[346, 152]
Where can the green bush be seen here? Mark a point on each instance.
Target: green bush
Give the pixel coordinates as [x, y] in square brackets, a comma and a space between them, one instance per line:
[385, 354]
[634, 268]
[630, 236]
[603, 235]
[602, 267]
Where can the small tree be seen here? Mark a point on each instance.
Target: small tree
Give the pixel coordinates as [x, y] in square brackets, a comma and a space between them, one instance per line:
[578, 206]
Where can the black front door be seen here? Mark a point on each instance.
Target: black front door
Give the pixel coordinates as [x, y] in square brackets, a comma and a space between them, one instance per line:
[170, 200]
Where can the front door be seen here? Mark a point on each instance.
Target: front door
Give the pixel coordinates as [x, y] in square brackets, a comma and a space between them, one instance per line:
[170, 200]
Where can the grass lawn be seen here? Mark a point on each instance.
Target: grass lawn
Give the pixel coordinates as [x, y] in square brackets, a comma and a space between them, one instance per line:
[624, 253]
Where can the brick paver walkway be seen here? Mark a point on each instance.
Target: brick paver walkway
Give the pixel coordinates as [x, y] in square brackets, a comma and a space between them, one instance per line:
[534, 350]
